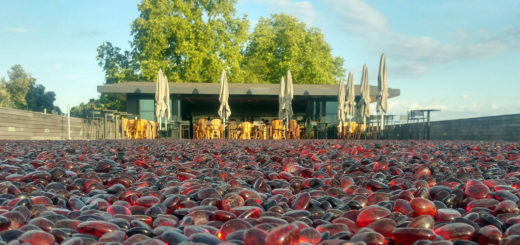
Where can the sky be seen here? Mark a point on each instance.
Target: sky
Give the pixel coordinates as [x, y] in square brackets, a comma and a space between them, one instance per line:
[461, 57]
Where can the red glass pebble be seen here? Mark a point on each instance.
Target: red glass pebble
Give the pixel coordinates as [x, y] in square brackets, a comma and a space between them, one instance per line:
[254, 236]
[408, 236]
[489, 234]
[369, 237]
[383, 226]
[36, 237]
[477, 191]
[371, 214]
[284, 235]
[232, 200]
[422, 221]
[301, 202]
[456, 231]
[96, 228]
[231, 226]
[447, 214]
[423, 206]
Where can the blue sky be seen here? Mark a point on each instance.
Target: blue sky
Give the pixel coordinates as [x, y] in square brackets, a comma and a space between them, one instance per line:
[462, 57]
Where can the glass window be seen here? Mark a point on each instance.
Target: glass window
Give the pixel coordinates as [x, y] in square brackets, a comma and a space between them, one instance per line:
[147, 109]
[331, 111]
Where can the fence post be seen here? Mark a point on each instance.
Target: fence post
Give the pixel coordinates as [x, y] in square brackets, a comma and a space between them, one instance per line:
[68, 121]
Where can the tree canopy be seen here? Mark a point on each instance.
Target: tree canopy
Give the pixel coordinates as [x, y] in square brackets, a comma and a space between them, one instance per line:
[189, 40]
[282, 43]
[194, 40]
[22, 92]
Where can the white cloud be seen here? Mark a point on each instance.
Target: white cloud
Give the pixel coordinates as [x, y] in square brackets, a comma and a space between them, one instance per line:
[18, 29]
[412, 55]
[58, 66]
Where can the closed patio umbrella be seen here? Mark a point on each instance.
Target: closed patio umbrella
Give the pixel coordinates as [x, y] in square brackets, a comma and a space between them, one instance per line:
[364, 102]
[159, 97]
[341, 105]
[224, 111]
[166, 98]
[289, 96]
[350, 101]
[281, 100]
[382, 95]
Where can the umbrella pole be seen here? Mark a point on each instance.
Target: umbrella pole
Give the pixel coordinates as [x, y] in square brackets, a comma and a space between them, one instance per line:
[382, 121]
[365, 125]
[287, 128]
[340, 127]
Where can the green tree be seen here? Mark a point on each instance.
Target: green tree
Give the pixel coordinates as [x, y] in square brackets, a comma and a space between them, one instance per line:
[18, 85]
[84, 110]
[39, 100]
[282, 43]
[190, 40]
[119, 66]
[5, 98]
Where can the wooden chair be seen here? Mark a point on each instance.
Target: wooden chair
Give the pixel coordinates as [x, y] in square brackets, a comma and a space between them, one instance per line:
[214, 129]
[195, 131]
[234, 131]
[140, 129]
[246, 130]
[129, 128]
[294, 130]
[202, 128]
[277, 131]
[259, 131]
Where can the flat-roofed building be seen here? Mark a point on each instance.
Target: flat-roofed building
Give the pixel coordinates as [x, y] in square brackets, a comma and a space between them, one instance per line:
[190, 101]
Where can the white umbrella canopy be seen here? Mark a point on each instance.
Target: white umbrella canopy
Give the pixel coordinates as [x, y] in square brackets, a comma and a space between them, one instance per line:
[167, 110]
[281, 99]
[224, 111]
[364, 102]
[159, 94]
[289, 92]
[351, 96]
[382, 85]
[341, 101]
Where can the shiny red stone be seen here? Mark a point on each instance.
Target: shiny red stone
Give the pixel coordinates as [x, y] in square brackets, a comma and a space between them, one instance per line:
[422, 221]
[423, 206]
[383, 226]
[96, 228]
[447, 214]
[284, 235]
[456, 231]
[36, 237]
[118, 209]
[333, 228]
[402, 206]
[254, 236]
[301, 202]
[371, 214]
[231, 226]
[477, 191]
[369, 237]
[232, 200]
[489, 234]
[408, 236]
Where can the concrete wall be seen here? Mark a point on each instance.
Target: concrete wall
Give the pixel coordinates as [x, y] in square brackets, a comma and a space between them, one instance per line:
[28, 125]
[494, 128]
